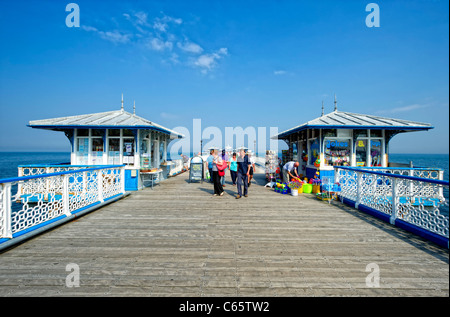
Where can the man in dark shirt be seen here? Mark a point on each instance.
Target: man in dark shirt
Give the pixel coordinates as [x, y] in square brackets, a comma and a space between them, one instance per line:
[242, 173]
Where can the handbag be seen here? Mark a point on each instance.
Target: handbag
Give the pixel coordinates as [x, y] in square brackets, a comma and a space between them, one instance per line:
[223, 166]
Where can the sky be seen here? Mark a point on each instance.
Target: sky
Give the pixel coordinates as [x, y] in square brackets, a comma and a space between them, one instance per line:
[229, 63]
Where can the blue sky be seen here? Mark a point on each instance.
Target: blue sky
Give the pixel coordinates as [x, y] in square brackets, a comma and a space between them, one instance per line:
[229, 63]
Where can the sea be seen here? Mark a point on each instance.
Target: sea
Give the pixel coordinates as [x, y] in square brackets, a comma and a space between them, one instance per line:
[9, 162]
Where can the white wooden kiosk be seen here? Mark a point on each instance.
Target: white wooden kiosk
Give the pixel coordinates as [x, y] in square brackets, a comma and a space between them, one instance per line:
[343, 139]
[115, 138]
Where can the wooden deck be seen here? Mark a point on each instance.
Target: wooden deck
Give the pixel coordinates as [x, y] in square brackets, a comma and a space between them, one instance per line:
[178, 240]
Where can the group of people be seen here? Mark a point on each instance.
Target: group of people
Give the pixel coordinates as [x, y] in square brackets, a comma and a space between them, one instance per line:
[241, 168]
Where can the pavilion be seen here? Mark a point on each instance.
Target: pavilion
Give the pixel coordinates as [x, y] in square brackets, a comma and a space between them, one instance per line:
[114, 138]
[343, 139]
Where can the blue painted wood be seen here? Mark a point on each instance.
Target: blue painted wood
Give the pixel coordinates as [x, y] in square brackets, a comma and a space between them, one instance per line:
[440, 240]
[131, 183]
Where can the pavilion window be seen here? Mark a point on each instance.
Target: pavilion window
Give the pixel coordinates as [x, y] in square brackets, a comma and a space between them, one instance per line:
[314, 150]
[161, 150]
[83, 150]
[376, 133]
[82, 132]
[337, 152]
[332, 133]
[144, 152]
[97, 151]
[153, 144]
[114, 132]
[375, 152]
[128, 151]
[360, 133]
[361, 152]
[128, 132]
[114, 151]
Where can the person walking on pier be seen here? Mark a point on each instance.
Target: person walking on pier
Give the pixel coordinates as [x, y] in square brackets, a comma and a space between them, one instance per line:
[251, 160]
[224, 157]
[233, 168]
[217, 162]
[243, 173]
[209, 160]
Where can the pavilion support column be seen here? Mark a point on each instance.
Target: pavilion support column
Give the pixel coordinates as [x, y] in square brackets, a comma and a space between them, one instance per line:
[165, 148]
[137, 150]
[383, 150]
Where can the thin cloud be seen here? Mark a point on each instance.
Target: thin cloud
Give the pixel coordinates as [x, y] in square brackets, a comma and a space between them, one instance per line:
[207, 62]
[403, 109]
[162, 34]
[168, 116]
[157, 44]
[139, 20]
[190, 47]
[115, 36]
[162, 24]
[280, 72]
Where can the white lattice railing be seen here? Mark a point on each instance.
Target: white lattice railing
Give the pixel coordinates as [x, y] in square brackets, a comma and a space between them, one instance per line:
[420, 201]
[29, 201]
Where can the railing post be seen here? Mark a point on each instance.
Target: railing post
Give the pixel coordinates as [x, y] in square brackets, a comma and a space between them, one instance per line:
[65, 197]
[395, 200]
[19, 185]
[122, 179]
[7, 230]
[441, 188]
[47, 184]
[358, 188]
[85, 181]
[100, 185]
[411, 186]
[336, 175]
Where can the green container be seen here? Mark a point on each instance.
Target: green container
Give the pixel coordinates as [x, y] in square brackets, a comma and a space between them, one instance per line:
[307, 188]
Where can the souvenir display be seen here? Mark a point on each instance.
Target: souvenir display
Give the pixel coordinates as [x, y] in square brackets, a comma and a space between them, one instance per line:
[271, 166]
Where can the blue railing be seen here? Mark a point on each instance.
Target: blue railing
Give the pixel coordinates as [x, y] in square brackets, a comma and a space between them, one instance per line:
[417, 204]
[30, 204]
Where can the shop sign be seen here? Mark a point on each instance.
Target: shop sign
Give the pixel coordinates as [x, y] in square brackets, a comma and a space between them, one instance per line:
[330, 144]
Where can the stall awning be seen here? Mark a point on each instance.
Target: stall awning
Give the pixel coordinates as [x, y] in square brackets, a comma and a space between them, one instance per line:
[347, 120]
[119, 119]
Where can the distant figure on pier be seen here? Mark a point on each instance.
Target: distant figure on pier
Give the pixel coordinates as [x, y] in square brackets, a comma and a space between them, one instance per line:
[243, 174]
[251, 160]
[288, 168]
[209, 160]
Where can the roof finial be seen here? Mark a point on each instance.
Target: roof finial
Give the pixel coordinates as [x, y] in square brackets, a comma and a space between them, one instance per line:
[322, 109]
[134, 107]
[335, 103]
[122, 102]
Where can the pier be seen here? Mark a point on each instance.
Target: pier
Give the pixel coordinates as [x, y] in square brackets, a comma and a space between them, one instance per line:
[178, 240]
